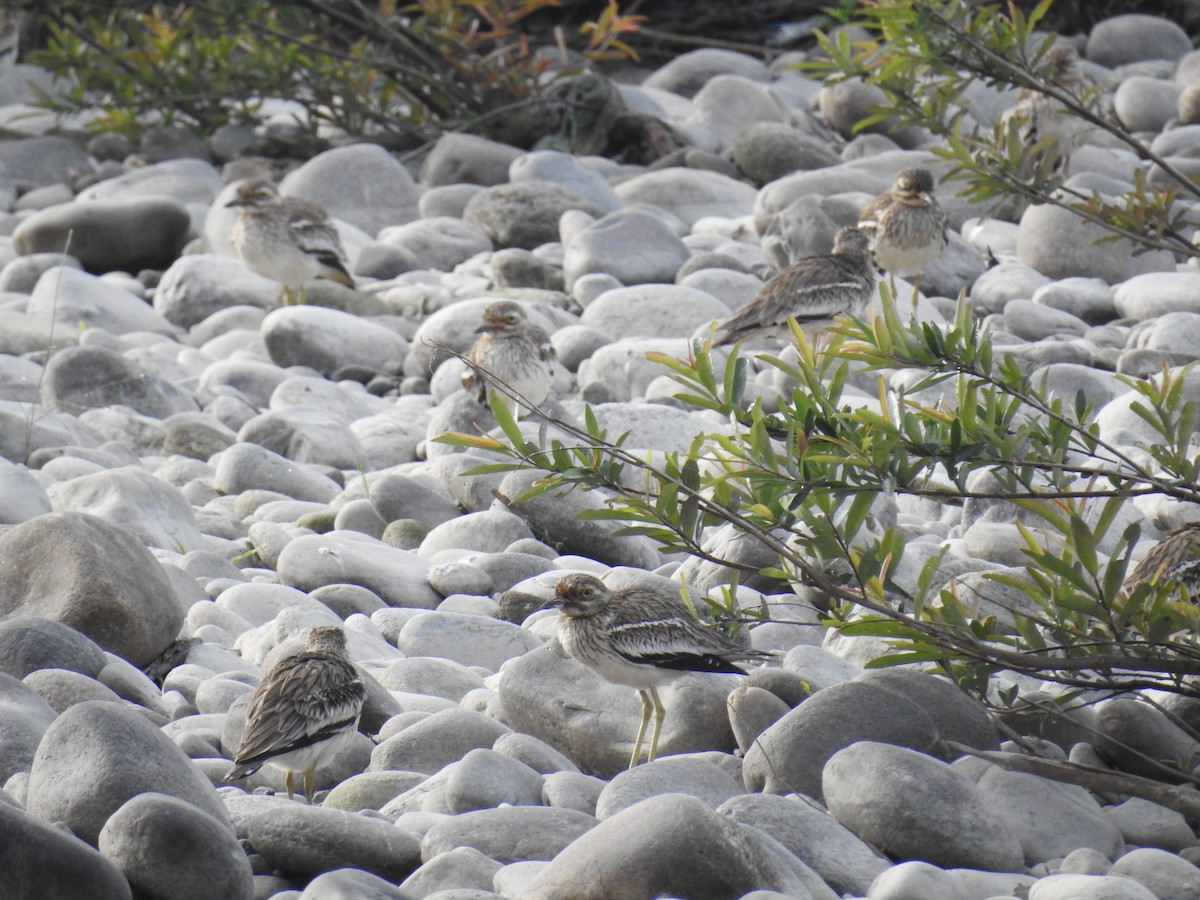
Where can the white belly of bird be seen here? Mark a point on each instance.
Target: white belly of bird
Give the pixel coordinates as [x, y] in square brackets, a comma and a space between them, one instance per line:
[906, 262]
[315, 755]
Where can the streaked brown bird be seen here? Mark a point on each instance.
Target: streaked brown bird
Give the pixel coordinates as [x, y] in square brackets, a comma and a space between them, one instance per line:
[906, 224]
[303, 711]
[1038, 117]
[812, 290]
[640, 638]
[286, 239]
[1174, 559]
[512, 350]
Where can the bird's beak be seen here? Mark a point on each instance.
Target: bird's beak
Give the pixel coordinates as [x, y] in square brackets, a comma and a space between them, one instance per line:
[556, 603]
[486, 326]
[236, 201]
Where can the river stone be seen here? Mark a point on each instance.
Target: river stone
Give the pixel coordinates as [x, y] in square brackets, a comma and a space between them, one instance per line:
[508, 834]
[43, 861]
[123, 235]
[846, 863]
[94, 576]
[98, 755]
[912, 806]
[673, 845]
[24, 718]
[524, 214]
[81, 378]
[899, 706]
[168, 848]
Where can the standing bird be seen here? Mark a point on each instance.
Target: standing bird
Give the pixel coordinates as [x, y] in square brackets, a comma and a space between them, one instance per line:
[286, 239]
[642, 639]
[511, 350]
[303, 711]
[1176, 558]
[906, 225]
[812, 290]
[1037, 117]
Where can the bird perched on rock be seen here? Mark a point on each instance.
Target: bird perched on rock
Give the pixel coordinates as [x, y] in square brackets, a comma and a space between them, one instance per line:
[286, 239]
[906, 225]
[1176, 558]
[812, 290]
[1038, 117]
[640, 638]
[303, 711]
[512, 350]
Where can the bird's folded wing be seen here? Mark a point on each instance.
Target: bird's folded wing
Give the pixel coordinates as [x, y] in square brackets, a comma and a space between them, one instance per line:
[672, 643]
[306, 700]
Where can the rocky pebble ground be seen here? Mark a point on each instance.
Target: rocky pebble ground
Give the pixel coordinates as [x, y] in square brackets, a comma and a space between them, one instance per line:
[188, 469]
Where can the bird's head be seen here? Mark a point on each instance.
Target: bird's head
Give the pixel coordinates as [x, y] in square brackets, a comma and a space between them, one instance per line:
[578, 595]
[1062, 66]
[257, 192]
[915, 185]
[326, 639]
[503, 316]
[851, 240]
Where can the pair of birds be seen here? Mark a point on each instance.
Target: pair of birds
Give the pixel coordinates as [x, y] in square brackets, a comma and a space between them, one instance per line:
[901, 231]
[307, 707]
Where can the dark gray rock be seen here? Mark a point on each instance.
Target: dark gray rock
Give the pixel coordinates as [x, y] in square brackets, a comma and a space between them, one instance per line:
[433, 743]
[24, 718]
[509, 834]
[524, 214]
[93, 576]
[457, 158]
[96, 756]
[697, 778]
[42, 161]
[673, 845]
[912, 806]
[80, 378]
[30, 643]
[109, 235]
[1142, 740]
[769, 150]
[485, 779]
[902, 707]
[1134, 37]
[41, 861]
[168, 848]
[309, 840]
[556, 517]
[463, 868]
[836, 853]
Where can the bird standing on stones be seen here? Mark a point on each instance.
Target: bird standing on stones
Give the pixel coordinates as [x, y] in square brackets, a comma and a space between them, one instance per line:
[1176, 558]
[303, 711]
[286, 239]
[1037, 116]
[640, 638]
[511, 350]
[812, 290]
[906, 225]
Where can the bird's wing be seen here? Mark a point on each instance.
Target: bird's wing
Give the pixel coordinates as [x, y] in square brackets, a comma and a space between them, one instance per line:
[314, 234]
[871, 214]
[303, 700]
[675, 642]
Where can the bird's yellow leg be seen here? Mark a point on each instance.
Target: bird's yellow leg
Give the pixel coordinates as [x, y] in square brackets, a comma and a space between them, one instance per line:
[637, 744]
[289, 783]
[660, 712]
[308, 783]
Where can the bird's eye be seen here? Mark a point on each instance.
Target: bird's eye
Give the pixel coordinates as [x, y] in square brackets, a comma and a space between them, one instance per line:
[586, 593]
[511, 319]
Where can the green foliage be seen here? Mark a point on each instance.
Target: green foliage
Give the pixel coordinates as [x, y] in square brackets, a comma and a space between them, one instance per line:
[925, 56]
[411, 71]
[805, 479]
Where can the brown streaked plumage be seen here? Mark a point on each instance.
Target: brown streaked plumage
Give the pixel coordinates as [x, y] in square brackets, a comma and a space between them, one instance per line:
[1176, 558]
[906, 224]
[286, 239]
[640, 638]
[812, 290]
[303, 711]
[512, 350]
[1038, 117]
